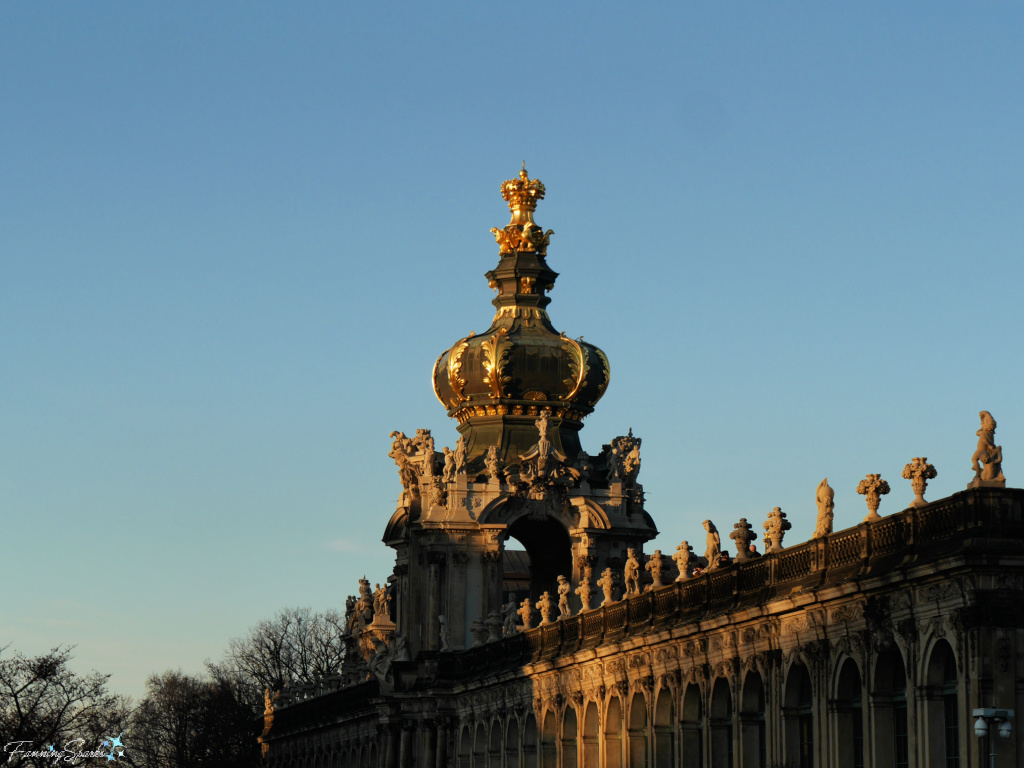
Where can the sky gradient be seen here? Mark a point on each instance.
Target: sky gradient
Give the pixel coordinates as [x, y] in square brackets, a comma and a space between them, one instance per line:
[234, 238]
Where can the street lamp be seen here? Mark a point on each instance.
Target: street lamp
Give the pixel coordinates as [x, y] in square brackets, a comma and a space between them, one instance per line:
[1000, 718]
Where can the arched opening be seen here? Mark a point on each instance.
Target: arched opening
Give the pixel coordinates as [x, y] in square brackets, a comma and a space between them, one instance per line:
[798, 718]
[849, 714]
[753, 733]
[664, 737]
[638, 731]
[512, 742]
[548, 750]
[480, 747]
[613, 734]
[591, 737]
[693, 728]
[720, 721]
[374, 760]
[943, 710]
[466, 748]
[889, 705]
[548, 549]
[570, 751]
[494, 749]
[530, 755]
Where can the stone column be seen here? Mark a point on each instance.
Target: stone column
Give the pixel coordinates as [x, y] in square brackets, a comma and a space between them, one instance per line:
[436, 561]
[441, 759]
[405, 745]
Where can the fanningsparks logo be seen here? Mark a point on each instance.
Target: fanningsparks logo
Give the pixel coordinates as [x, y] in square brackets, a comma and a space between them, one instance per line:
[73, 752]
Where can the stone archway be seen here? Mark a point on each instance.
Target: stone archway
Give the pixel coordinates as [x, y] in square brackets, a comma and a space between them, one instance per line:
[549, 549]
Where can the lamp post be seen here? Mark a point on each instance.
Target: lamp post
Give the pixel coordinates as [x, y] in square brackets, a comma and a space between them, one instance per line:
[1000, 720]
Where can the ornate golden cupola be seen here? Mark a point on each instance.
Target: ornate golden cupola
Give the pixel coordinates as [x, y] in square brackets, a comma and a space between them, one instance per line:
[497, 383]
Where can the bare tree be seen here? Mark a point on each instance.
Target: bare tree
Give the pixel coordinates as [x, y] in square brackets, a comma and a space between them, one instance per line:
[295, 646]
[43, 703]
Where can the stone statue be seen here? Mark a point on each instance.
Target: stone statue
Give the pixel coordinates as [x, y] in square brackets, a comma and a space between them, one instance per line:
[381, 604]
[825, 500]
[873, 487]
[742, 534]
[713, 553]
[613, 457]
[448, 476]
[444, 633]
[919, 472]
[656, 565]
[631, 462]
[460, 455]
[684, 561]
[350, 607]
[546, 606]
[607, 585]
[631, 574]
[775, 528]
[400, 447]
[525, 613]
[508, 613]
[989, 454]
[564, 588]
[493, 463]
[585, 591]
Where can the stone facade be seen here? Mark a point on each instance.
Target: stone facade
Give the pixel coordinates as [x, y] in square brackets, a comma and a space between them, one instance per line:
[868, 646]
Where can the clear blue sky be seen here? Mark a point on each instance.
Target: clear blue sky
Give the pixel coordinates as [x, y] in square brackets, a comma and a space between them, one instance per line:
[235, 236]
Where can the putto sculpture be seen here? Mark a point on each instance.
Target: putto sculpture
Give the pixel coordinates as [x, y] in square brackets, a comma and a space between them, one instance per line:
[742, 535]
[919, 472]
[988, 454]
[713, 553]
[824, 497]
[684, 560]
[775, 528]
[607, 585]
[564, 588]
[631, 573]
[872, 488]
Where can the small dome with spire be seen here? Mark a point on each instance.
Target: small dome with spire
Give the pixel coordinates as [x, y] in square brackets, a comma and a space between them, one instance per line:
[498, 382]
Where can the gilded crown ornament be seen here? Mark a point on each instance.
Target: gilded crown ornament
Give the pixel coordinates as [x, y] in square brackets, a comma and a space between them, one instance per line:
[522, 234]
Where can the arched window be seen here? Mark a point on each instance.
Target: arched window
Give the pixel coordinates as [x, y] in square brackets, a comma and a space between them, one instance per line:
[591, 737]
[512, 742]
[638, 731]
[548, 748]
[798, 718]
[494, 749]
[480, 747]
[613, 734]
[721, 724]
[530, 756]
[570, 751]
[943, 708]
[849, 714]
[889, 702]
[664, 738]
[693, 728]
[466, 748]
[753, 734]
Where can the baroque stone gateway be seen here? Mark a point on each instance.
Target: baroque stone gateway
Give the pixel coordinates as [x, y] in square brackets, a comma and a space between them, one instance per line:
[869, 646]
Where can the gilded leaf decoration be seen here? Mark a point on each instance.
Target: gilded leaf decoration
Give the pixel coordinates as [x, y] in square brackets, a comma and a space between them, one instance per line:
[455, 380]
[607, 373]
[578, 367]
[433, 378]
[496, 351]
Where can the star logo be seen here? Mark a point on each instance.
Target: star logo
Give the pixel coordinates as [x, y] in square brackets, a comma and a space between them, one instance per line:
[116, 741]
[110, 757]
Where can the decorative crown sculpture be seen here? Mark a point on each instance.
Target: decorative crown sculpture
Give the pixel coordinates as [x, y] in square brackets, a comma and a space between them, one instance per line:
[522, 195]
[522, 234]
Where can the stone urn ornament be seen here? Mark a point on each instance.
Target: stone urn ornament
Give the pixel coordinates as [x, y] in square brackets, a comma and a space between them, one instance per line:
[607, 585]
[684, 560]
[525, 613]
[546, 606]
[742, 535]
[585, 591]
[918, 472]
[656, 566]
[775, 528]
[873, 488]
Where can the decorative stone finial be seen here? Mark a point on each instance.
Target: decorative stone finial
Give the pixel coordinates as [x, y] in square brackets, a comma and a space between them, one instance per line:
[775, 528]
[656, 565]
[989, 454]
[525, 613]
[631, 573]
[494, 626]
[684, 561]
[742, 535]
[873, 488]
[919, 472]
[479, 631]
[825, 500]
[564, 588]
[713, 553]
[607, 585]
[546, 606]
